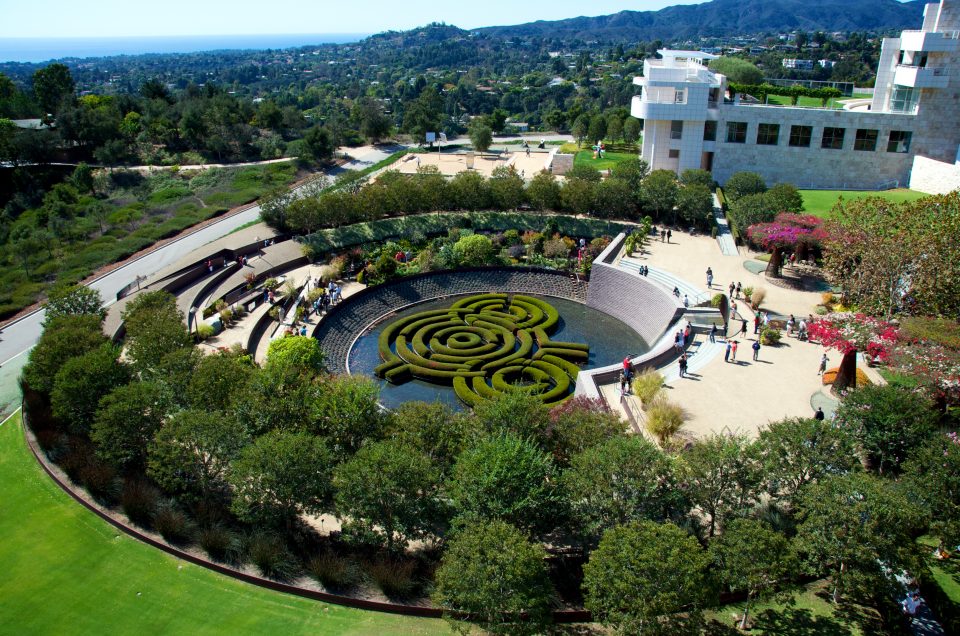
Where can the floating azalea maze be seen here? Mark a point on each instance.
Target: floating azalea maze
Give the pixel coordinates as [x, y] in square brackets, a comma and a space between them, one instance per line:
[484, 345]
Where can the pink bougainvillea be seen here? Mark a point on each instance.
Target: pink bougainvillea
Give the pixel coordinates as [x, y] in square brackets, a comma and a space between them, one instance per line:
[848, 332]
[787, 230]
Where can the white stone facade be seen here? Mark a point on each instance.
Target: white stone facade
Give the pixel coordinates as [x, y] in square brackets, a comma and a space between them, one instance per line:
[691, 122]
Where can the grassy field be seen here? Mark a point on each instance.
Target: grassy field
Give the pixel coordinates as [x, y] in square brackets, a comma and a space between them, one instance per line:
[812, 102]
[66, 571]
[610, 159]
[820, 202]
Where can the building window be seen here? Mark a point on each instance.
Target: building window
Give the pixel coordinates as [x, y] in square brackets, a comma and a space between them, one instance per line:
[832, 138]
[736, 132]
[903, 99]
[866, 140]
[674, 153]
[899, 141]
[800, 136]
[768, 134]
[676, 129]
[709, 131]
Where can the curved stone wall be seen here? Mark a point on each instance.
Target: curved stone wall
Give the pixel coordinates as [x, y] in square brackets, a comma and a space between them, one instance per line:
[337, 331]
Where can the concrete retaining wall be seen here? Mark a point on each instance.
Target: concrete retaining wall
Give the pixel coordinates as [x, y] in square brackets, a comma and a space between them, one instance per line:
[934, 177]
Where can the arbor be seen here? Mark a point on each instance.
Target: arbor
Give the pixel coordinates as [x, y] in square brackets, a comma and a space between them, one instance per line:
[387, 492]
[888, 421]
[544, 191]
[73, 300]
[505, 477]
[856, 525]
[82, 381]
[299, 353]
[191, 453]
[743, 183]
[63, 338]
[660, 192]
[796, 232]
[481, 137]
[280, 475]
[737, 70]
[642, 574]
[492, 575]
[52, 85]
[621, 480]
[797, 451]
[126, 420]
[723, 477]
[752, 558]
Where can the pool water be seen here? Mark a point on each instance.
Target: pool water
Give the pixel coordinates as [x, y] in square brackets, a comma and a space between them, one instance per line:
[609, 339]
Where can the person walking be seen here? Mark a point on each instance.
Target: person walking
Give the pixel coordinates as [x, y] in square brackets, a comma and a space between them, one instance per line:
[713, 332]
[726, 354]
[686, 301]
[756, 349]
[823, 365]
[743, 328]
[683, 365]
[623, 384]
[756, 323]
[732, 287]
[739, 289]
[663, 235]
[709, 278]
[733, 351]
[669, 235]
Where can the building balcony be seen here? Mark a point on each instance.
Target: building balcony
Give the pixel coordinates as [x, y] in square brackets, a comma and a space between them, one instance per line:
[921, 76]
[668, 107]
[930, 41]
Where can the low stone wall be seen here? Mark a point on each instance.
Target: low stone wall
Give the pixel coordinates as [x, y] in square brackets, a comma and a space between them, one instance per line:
[339, 328]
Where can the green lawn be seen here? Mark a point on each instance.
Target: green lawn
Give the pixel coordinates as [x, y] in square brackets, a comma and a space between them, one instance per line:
[820, 202]
[812, 102]
[65, 571]
[610, 159]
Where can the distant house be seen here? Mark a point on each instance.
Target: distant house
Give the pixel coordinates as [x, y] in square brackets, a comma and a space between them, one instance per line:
[800, 65]
[826, 63]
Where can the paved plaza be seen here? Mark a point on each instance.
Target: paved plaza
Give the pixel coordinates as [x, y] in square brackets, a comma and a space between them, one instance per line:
[451, 164]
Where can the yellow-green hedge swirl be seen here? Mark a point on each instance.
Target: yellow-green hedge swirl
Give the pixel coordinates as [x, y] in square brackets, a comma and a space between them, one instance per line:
[483, 344]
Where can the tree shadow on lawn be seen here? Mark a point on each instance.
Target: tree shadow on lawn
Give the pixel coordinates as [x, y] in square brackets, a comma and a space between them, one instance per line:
[784, 622]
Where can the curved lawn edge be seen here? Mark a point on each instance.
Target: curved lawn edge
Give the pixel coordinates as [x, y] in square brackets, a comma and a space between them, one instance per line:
[560, 616]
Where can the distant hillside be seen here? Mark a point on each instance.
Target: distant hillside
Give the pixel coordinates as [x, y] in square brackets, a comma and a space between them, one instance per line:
[727, 17]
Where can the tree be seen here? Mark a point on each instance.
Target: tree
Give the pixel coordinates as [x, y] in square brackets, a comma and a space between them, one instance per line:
[695, 205]
[723, 477]
[578, 424]
[433, 429]
[752, 558]
[492, 575]
[614, 199]
[281, 475]
[73, 300]
[737, 70]
[621, 480]
[751, 209]
[795, 232]
[544, 191]
[505, 477]
[643, 574]
[598, 128]
[660, 192]
[480, 136]
[578, 195]
[692, 176]
[126, 420]
[614, 128]
[63, 338]
[932, 475]
[53, 85]
[784, 197]
[296, 352]
[470, 191]
[849, 333]
[318, 144]
[275, 399]
[581, 128]
[346, 410]
[154, 328]
[82, 381]
[191, 453]
[506, 188]
[857, 524]
[387, 492]
[798, 451]
[373, 123]
[473, 250]
[423, 114]
[632, 172]
[896, 258]
[497, 120]
[517, 412]
[217, 379]
[743, 183]
[631, 130]
[888, 421]
[82, 178]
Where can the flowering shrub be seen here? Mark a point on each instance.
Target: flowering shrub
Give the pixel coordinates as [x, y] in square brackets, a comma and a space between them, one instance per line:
[847, 332]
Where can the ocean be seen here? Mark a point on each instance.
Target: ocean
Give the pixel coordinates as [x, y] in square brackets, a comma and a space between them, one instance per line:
[44, 49]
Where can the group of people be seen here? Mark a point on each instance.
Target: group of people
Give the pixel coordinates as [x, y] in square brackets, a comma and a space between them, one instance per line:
[801, 327]
[626, 376]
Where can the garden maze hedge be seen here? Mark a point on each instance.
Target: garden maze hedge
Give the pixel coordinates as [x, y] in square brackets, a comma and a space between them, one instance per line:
[484, 344]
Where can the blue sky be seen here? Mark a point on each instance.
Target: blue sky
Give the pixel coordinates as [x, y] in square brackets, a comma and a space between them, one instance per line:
[104, 18]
